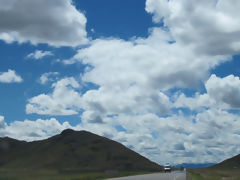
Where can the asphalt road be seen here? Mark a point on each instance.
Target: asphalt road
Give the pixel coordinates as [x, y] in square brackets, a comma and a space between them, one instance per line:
[156, 176]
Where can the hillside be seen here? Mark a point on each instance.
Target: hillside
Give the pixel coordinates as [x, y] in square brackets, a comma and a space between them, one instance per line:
[228, 169]
[73, 151]
[232, 163]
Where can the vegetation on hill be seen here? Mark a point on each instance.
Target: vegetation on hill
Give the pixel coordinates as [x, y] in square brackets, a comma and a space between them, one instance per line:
[71, 153]
[226, 170]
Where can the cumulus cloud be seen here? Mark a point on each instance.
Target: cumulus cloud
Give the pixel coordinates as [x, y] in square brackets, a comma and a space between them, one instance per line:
[153, 62]
[225, 90]
[200, 137]
[97, 104]
[216, 130]
[135, 78]
[33, 130]
[48, 77]
[55, 22]
[222, 93]
[214, 127]
[10, 77]
[38, 54]
[2, 123]
[63, 101]
[133, 100]
[213, 27]
[196, 103]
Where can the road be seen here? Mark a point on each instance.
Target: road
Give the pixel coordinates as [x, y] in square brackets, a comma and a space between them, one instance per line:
[156, 176]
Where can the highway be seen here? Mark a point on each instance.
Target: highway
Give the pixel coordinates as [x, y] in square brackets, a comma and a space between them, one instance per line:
[156, 176]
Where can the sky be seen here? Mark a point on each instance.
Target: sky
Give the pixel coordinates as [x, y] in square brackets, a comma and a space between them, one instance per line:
[159, 76]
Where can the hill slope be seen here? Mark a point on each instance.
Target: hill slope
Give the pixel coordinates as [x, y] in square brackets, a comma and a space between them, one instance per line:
[79, 151]
[232, 163]
[228, 169]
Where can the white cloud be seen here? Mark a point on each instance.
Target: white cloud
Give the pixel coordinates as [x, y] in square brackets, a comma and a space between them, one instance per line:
[38, 54]
[211, 26]
[56, 22]
[160, 138]
[225, 90]
[222, 93]
[63, 101]
[154, 136]
[10, 77]
[152, 62]
[48, 77]
[216, 134]
[133, 100]
[2, 123]
[198, 102]
[33, 130]
[98, 104]
[134, 79]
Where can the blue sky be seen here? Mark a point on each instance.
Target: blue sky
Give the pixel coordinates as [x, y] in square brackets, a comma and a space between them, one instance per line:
[116, 18]
[161, 77]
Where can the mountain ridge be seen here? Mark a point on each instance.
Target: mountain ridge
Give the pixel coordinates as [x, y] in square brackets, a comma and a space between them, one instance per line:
[195, 165]
[75, 151]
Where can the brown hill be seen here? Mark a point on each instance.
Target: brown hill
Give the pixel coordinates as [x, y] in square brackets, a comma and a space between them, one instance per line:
[228, 169]
[71, 150]
[231, 163]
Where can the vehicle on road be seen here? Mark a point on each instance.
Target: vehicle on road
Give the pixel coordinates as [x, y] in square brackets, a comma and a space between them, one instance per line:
[167, 168]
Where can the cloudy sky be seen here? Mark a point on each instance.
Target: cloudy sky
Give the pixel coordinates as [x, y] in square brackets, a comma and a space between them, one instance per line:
[159, 76]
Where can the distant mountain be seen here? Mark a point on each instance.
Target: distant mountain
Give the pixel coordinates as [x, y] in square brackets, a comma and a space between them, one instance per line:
[71, 150]
[194, 166]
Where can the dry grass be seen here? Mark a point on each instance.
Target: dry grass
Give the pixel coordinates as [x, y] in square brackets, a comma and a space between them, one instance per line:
[214, 174]
[56, 175]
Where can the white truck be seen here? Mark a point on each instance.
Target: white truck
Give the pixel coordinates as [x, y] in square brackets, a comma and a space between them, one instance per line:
[167, 168]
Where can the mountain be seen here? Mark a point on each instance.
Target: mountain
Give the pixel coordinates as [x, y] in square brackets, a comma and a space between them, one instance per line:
[194, 166]
[71, 150]
[231, 163]
[228, 169]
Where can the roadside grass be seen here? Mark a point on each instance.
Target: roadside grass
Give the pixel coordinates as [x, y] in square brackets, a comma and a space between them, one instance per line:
[6, 174]
[213, 174]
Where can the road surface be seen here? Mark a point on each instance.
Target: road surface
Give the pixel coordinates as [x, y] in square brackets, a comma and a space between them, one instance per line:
[156, 176]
